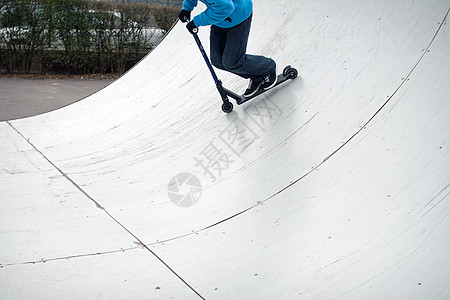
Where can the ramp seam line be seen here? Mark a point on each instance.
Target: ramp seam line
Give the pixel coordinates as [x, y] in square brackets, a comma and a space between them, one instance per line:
[142, 244]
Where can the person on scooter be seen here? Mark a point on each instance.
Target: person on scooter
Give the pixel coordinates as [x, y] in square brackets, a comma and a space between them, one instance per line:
[230, 22]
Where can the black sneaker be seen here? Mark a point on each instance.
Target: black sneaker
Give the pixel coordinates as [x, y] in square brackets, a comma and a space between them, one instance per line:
[270, 80]
[253, 87]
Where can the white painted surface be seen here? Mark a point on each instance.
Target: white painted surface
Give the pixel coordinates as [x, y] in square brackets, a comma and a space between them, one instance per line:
[341, 190]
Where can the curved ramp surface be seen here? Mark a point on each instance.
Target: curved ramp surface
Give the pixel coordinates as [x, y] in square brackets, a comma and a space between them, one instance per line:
[335, 185]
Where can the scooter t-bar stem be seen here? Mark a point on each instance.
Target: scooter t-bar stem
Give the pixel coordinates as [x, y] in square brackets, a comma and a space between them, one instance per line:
[205, 57]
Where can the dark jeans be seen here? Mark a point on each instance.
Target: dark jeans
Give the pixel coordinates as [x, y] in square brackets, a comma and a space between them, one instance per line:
[228, 47]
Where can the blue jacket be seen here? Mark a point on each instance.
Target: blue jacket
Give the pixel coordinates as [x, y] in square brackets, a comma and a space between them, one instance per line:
[222, 13]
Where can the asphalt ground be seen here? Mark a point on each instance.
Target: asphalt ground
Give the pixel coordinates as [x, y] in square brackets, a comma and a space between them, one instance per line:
[21, 98]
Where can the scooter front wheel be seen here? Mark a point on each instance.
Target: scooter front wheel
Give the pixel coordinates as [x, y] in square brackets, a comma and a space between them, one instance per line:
[227, 107]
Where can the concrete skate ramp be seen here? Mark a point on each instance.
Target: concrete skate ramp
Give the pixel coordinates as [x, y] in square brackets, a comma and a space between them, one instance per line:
[333, 186]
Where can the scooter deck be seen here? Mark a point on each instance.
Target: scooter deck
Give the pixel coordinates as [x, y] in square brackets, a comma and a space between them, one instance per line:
[227, 106]
[280, 79]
